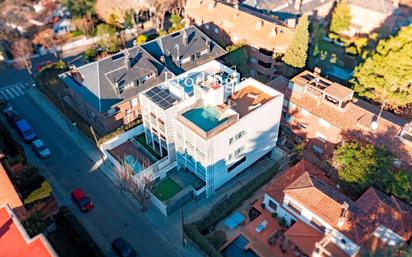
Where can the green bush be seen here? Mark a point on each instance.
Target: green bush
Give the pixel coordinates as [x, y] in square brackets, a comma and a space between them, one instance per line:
[90, 54]
[227, 206]
[119, 131]
[28, 181]
[81, 231]
[217, 238]
[34, 224]
[201, 241]
[40, 193]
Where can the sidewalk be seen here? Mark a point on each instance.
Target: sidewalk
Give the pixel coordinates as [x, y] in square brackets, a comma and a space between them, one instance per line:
[170, 228]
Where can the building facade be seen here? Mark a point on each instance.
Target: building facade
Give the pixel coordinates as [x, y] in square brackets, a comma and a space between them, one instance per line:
[216, 125]
[322, 113]
[267, 38]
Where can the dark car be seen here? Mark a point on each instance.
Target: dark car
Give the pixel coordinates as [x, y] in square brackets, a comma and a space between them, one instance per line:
[5, 106]
[25, 131]
[80, 198]
[12, 117]
[122, 248]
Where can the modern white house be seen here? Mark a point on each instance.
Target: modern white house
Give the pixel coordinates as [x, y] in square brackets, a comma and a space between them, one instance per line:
[212, 123]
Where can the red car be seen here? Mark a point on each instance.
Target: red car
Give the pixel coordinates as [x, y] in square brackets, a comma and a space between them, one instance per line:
[80, 198]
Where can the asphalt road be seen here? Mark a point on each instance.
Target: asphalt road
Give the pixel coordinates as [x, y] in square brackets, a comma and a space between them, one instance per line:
[68, 167]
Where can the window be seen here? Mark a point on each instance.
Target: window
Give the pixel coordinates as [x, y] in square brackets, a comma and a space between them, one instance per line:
[207, 26]
[324, 123]
[294, 207]
[317, 149]
[264, 64]
[240, 134]
[285, 102]
[133, 102]
[236, 164]
[216, 30]
[292, 106]
[161, 122]
[302, 126]
[200, 153]
[320, 136]
[272, 205]
[253, 60]
[305, 112]
[288, 118]
[230, 156]
[239, 150]
[111, 112]
[317, 224]
[231, 140]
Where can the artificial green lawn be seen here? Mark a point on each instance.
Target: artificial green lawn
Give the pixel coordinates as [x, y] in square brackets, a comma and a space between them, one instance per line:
[166, 189]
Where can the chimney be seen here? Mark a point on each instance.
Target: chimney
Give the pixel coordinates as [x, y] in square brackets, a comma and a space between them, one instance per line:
[236, 9]
[297, 4]
[75, 74]
[185, 38]
[273, 32]
[259, 24]
[162, 59]
[317, 71]
[127, 60]
[343, 214]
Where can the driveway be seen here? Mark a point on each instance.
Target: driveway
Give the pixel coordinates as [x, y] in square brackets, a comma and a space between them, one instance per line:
[69, 167]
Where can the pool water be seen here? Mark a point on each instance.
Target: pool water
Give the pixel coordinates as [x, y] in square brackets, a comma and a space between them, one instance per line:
[132, 163]
[237, 248]
[205, 117]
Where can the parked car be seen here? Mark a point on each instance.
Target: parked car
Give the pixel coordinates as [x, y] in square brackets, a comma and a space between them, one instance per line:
[80, 198]
[25, 131]
[5, 106]
[40, 148]
[12, 117]
[122, 248]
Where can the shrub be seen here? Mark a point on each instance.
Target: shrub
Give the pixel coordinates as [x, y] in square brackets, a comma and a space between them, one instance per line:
[119, 131]
[274, 215]
[81, 231]
[34, 224]
[40, 193]
[351, 50]
[282, 222]
[226, 207]
[90, 54]
[217, 238]
[28, 181]
[201, 241]
[141, 39]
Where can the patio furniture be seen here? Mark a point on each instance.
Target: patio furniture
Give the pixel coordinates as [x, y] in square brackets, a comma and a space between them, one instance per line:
[261, 226]
[234, 220]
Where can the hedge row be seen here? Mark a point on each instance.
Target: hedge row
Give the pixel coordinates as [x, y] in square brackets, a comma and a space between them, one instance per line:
[227, 206]
[119, 131]
[201, 241]
[81, 231]
[196, 231]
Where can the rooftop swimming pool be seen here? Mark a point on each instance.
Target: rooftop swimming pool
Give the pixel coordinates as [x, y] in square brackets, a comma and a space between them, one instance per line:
[205, 117]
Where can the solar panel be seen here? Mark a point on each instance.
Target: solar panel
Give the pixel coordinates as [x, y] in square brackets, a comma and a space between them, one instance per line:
[156, 90]
[163, 94]
[150, 93]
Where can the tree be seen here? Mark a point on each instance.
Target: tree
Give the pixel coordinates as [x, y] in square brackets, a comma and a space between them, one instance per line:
[341, 18]
[108, 38]
[85, 24]
[361, 166]
[34, 224]
[22, 51]
[79, 8]
[141, 39]
[48, 40]
[399, 185]
[386, 74]
[177, 23]
[296, 54]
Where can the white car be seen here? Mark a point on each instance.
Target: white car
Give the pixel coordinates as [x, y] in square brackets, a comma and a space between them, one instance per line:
[40, 148]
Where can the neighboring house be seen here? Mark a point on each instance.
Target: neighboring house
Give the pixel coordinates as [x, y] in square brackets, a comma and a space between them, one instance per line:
[9, 196]
[323, 113]
[304, 193]
[63, 26]
[287, 9]
[369, 15]
[14, 240]
[266, 37]
[211, 123]
[105, 92]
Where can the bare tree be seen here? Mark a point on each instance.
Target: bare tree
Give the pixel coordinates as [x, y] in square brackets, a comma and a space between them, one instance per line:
[22, 51]
[47, 39]
[161, 7]
[135, 184]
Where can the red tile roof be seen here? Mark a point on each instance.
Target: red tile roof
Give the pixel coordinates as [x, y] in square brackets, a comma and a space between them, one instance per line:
[354, 119]
[326, 202]
[388, 211]
[8, 194]
[275, 189]
[15, 242]
[304, 237]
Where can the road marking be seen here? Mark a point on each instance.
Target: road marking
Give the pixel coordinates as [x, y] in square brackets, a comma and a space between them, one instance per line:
[20, 90]
[4, 95]
[9, 93]
[15, 93]
[12, 91]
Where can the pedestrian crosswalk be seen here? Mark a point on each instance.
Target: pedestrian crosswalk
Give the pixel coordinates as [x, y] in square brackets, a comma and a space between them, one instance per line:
[12, 91]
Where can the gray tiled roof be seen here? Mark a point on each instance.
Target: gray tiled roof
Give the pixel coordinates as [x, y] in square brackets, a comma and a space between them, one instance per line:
[102, 78]
[183, 44]
[382, 6]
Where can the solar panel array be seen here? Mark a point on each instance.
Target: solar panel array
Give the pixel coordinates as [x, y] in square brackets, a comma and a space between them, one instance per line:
[161, 97]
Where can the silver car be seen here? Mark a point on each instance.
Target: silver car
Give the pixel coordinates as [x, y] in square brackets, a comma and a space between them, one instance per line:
[40, 148]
